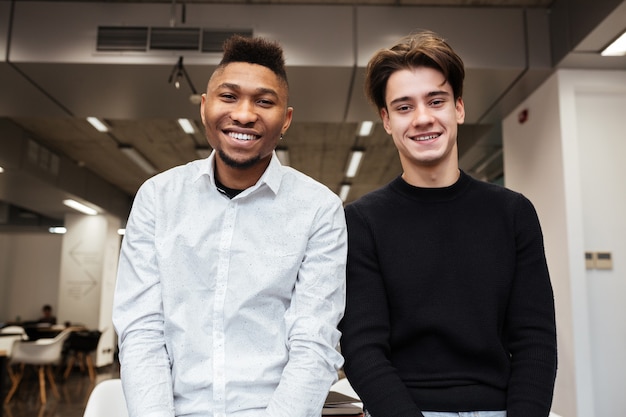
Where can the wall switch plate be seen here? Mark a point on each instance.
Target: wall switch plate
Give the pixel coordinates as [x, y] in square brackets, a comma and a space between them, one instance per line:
[604, 260]
[590, 260]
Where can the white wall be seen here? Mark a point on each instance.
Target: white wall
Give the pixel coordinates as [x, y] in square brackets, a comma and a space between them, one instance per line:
[88, 270]
[29, 274]
[567, 158]
[75, 273]
[602, 144]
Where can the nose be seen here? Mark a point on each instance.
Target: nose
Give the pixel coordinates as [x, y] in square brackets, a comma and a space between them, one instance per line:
[244, 112]
[422, 116]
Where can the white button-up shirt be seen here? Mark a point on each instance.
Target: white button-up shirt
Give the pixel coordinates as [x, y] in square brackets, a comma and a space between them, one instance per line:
[229, 307]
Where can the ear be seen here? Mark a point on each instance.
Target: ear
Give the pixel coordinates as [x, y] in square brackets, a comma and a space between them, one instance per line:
[384, 115]
[288, 117]
[202, 109]
[460, 111]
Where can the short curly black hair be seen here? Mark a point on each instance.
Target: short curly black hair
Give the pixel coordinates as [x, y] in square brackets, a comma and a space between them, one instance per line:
[255, 50]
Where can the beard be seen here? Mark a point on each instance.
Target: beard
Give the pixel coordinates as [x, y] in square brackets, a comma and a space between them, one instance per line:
[238, 164]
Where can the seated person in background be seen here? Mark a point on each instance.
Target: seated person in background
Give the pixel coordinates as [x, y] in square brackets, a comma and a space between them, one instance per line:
[47, 316]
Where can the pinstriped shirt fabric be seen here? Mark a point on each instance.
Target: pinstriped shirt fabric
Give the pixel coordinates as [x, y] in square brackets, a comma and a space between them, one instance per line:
[229, 307]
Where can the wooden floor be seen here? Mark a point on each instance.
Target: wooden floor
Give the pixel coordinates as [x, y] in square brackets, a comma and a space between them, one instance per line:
[74, 393]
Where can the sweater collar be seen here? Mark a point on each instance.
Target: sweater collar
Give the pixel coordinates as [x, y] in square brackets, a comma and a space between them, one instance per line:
[432, 194]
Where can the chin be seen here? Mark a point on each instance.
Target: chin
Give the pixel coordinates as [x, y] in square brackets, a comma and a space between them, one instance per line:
[238, 163]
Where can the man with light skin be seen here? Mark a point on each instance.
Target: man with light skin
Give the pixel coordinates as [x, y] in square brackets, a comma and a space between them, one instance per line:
[450, 310]
[231, 280]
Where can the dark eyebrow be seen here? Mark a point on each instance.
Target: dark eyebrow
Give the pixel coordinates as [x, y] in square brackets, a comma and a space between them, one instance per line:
[269, 91]
[260, 90]
[435, 93]
[230, 86]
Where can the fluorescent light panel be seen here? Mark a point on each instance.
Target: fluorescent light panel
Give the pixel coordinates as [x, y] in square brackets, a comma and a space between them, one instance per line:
[138, 159]
[355, 160]
[187, 126]
[1, 170]
[617, 47]
[57, 230]
[344, 191]
[80, 207]
[366, 128]
[100, 126]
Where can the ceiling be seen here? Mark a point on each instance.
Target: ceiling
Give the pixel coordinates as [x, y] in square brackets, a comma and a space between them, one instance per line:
[52, 76]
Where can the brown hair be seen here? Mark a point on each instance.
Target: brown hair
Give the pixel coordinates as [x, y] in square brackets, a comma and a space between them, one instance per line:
[420, 49]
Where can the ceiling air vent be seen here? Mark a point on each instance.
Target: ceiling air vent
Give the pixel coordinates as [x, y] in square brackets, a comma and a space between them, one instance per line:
[175, 38]
[132, 38]
[212, 40]
[142, 38]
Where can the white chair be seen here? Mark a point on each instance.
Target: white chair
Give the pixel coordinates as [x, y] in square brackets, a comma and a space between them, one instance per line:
[6, 343]
[15, 330]
[10, 334]
[42, 353]
[107, 400]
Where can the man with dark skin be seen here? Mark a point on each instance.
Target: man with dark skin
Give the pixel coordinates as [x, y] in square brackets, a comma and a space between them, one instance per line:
[231, 280]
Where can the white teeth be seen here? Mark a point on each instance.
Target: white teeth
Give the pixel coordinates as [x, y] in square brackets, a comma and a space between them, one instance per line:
[426, 137]
[241, 136]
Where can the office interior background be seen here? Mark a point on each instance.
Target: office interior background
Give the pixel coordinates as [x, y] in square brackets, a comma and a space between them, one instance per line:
[545, 116]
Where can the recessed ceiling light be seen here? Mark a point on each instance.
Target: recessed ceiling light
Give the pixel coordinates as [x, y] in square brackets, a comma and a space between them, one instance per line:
[80, 207]
[356, 156]
[344, 191]
[366, 128]
[100, 126]
[187, 126]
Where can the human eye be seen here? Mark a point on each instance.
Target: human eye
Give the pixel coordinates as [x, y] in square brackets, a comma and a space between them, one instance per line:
[402, 108]
[227, 96]
[265, 102]
[437, 102]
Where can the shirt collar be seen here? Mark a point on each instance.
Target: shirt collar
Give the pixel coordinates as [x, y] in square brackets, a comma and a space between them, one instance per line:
[272, 176]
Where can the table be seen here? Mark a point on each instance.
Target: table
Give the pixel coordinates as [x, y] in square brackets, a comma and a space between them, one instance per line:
[35, 333]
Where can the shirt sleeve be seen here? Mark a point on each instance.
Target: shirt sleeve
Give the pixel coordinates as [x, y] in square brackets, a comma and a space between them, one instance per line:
[138, 316]
[366, 328]
[316, 308]
[531, 327]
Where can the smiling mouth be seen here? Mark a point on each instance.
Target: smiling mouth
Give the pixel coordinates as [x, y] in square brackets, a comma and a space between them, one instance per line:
[242, 136]
[425, 138]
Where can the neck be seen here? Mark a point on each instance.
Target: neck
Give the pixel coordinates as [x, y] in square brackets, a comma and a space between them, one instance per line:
[239, 178]
[432, 177]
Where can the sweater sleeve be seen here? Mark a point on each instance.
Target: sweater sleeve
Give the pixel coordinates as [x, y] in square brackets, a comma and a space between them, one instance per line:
[366, 328]
[531, 328]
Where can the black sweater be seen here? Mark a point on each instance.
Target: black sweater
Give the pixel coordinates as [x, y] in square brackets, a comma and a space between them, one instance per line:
[449, 302]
